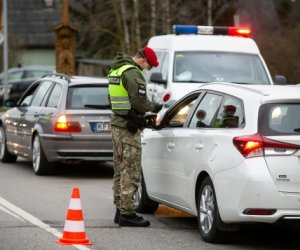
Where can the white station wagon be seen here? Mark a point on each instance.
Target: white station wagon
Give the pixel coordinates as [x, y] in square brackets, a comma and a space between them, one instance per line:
[227, 154]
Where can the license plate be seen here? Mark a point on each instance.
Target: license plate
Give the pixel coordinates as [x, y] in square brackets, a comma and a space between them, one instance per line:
[100, 127]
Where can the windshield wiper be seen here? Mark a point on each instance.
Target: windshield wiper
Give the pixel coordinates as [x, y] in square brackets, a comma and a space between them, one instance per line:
[97, 106]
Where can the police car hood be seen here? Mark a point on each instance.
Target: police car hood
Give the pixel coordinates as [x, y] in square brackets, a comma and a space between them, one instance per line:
[180, 89]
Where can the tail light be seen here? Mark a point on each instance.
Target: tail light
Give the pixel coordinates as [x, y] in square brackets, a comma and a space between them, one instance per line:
[63, 125]
[257, 145]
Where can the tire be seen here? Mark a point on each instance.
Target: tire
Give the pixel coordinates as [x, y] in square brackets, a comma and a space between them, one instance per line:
[5, 156]
[141, 200]
[208, 213]
[40, 164]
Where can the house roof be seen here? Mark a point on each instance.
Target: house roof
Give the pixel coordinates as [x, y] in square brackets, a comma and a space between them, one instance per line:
[32, 21]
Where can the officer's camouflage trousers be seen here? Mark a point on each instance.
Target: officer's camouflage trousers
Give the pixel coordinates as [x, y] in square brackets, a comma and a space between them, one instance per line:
[127, 167]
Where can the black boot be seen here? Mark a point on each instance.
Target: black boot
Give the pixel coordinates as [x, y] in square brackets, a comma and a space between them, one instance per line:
[132, 220]
[117, 216]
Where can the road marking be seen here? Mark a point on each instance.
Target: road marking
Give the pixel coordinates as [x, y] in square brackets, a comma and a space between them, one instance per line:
[11, 208]
[10, 213]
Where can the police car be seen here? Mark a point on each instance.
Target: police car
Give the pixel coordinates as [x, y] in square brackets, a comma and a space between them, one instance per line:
[195, 55]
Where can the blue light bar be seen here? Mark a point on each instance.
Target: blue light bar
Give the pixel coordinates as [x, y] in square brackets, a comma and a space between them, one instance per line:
[211, 30]
[193, 29]
[185, 29]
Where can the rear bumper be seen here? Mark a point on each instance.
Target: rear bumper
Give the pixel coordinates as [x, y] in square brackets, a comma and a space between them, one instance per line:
[250, 186]
[84, 148]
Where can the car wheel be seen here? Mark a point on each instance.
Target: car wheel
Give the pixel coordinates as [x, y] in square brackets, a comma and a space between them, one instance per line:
[40, 163]
[5, 156]
[208, 214]
[141, 200]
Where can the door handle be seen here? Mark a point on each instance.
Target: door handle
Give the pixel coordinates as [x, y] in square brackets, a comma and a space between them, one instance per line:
[36, 115]
[199, 146]
[171, 145]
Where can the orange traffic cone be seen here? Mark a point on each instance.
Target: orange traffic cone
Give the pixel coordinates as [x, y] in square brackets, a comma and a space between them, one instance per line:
[74, 232]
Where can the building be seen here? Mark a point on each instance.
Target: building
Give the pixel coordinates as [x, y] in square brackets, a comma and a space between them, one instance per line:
[30, 24]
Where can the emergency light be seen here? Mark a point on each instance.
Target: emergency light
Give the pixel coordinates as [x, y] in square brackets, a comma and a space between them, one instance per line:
[211, 30]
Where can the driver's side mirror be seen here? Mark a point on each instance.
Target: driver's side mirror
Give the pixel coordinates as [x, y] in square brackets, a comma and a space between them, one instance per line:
[157, 77]
[280, 80]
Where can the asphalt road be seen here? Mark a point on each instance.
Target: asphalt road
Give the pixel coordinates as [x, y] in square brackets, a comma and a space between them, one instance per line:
[33, 211]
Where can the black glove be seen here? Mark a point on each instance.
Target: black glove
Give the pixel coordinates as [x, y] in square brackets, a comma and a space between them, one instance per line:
[157, 107]
[135, 121]
[150, 120]
[132, 126]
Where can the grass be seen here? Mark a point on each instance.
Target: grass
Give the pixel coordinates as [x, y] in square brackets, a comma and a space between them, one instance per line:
[3, 109]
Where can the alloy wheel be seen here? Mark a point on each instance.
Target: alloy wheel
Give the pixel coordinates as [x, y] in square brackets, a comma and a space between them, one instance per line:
[2, 142]
[36, 153]
[138, 195]
[207, 206]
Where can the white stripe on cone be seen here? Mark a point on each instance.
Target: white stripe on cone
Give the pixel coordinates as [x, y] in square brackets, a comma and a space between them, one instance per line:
[74, 226]
[75, 204]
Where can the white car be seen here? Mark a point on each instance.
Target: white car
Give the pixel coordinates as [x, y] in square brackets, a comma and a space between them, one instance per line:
[227, 154]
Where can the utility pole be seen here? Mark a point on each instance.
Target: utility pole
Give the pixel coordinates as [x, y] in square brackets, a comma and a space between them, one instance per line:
[209, 7]
[5, 48]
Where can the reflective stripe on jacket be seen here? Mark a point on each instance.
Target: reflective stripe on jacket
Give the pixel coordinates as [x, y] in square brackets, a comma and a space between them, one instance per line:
[118, 94]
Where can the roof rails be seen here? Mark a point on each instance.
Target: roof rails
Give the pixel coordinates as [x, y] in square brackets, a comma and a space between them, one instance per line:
[61, 76]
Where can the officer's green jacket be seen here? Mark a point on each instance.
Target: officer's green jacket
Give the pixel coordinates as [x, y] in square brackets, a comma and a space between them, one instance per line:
[135, 84]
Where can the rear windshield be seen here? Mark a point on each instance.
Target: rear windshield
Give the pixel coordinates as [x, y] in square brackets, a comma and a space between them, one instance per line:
[86, 97]
[279, 119]
[200, 66]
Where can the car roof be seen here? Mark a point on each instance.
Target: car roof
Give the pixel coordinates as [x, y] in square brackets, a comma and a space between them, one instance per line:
[204, 43]
[267, 93]
[75, 80]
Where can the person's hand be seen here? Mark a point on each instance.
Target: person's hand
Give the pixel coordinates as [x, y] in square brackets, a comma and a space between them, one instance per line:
[132, 127]
[157, 107]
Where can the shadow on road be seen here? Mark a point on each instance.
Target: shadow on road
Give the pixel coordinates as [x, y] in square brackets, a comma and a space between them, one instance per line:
[79, 170]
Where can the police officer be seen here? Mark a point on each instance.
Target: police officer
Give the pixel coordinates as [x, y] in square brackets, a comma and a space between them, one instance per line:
[127, 92]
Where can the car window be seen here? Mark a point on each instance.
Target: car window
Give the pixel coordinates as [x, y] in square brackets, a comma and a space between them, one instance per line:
[160, 57]
[15, 75]
[54, 96]
[231, 114]
[36, 73]
[40, 93]
[200, 66]
[206, 111]
[80, 97]
[279, 119]
[177, 116]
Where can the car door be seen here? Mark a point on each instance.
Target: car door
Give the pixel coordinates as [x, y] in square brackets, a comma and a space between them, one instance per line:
[162, 172]
[31, 115]
[14, 122]
[192, 148]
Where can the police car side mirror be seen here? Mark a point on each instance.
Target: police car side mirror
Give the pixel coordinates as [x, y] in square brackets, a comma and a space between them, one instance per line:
[280, 80]
[156, 77]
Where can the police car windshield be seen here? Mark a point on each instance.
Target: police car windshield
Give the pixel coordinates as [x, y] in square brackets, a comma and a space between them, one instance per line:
[199, 66]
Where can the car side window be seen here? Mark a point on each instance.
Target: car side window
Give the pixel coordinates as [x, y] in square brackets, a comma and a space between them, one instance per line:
[231, 114]
[165, 67]
[206, 111]
[54, 96]
[180, 113]
[160, 57]
[40, 93]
